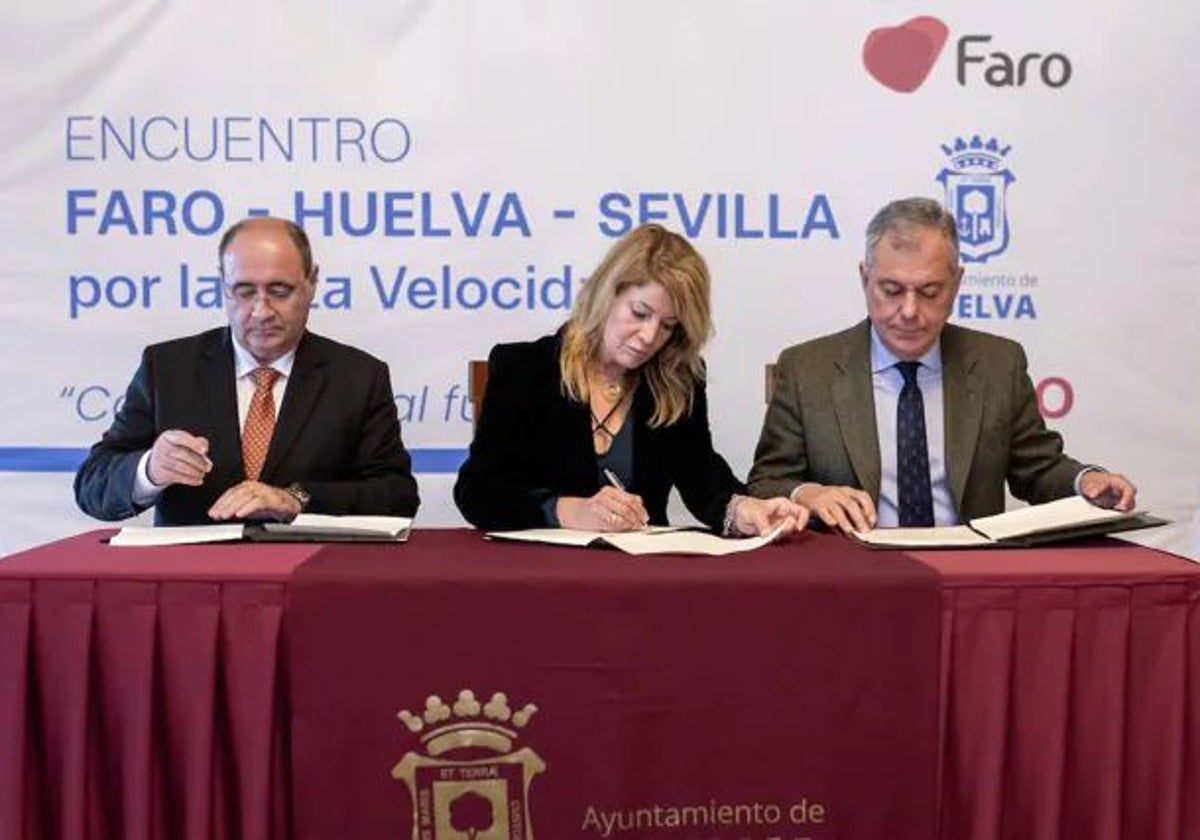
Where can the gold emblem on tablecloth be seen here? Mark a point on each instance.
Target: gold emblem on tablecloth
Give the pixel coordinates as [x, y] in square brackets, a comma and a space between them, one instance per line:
[470, 781]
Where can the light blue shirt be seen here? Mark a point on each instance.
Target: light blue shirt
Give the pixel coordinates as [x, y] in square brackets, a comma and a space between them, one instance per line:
[887, 382]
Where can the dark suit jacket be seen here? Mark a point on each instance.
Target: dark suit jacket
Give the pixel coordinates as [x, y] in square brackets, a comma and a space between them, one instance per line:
[337, 432]
[820, 425]
[532, 444]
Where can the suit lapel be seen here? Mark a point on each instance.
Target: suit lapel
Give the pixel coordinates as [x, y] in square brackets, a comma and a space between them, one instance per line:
[854, 404]
[216, 382]
[304, 388]
[963, 410]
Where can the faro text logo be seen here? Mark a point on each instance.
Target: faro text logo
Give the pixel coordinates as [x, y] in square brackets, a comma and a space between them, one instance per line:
[901, 58]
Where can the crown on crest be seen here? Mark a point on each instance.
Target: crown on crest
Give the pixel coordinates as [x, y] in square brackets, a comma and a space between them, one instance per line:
[976, 153]
[467, 722]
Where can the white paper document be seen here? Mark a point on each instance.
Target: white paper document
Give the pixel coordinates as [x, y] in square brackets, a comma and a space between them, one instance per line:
[1064, 513]
[145, 535]
[307, 527]
[1066, 518]
[653, 540]
[952, 536]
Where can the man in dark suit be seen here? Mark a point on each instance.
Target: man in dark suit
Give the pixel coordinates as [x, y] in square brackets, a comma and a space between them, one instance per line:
[197, 435]
[904, 419]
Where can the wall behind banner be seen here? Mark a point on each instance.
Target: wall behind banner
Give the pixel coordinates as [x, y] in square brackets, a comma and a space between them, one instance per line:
[462, 166]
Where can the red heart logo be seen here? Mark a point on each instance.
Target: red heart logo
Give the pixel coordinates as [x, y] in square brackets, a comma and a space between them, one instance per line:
[900, 57]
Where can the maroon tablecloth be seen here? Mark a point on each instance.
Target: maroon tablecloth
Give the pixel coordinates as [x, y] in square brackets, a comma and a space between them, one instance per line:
[140, 691]
[1070, 693]
[791, 692]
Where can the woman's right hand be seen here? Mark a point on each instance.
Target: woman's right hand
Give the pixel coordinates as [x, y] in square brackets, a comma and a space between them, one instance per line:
[609, 510]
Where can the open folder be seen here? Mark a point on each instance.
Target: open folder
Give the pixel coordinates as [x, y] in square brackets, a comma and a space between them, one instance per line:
[1064, 519]
[307, 527]
[661, 539]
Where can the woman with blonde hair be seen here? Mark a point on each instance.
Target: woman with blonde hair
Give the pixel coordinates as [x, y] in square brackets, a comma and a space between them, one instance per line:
[590, 428]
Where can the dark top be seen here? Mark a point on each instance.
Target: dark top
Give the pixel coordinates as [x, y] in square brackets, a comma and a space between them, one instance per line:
[337, 433]
[532, 443]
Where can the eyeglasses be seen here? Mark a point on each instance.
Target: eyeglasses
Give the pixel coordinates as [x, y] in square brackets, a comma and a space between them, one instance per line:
[247, 293]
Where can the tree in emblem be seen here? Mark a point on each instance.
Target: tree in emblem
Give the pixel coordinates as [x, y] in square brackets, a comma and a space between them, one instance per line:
[471, 813]
[979, 210]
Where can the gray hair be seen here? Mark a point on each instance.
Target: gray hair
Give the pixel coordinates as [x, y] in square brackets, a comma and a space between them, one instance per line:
[903, 215]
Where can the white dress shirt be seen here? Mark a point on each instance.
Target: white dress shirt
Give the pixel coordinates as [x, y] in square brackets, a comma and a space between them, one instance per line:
[145, 492]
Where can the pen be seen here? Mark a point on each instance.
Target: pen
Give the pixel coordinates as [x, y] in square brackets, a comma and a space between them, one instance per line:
[613, 480]
[616, 482]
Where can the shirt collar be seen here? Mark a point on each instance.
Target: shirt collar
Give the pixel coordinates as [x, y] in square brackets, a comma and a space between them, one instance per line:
[245, 364]
[883, 358]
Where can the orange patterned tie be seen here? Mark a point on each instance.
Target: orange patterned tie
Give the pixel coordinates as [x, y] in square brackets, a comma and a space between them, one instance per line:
[260, 422]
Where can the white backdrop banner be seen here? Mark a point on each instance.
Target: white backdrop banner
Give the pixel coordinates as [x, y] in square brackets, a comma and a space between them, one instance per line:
[462, 166]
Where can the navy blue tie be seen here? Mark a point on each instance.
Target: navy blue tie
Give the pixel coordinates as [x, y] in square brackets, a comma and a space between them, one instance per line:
[912, 453]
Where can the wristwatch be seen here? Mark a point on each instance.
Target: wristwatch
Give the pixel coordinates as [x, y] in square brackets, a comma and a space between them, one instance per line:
[298, 493]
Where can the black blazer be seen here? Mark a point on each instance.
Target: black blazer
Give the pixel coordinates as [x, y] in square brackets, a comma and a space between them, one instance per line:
[337, 432]
[532, 443]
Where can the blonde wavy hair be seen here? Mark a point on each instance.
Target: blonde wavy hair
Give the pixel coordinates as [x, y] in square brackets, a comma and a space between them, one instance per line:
[647, 254]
